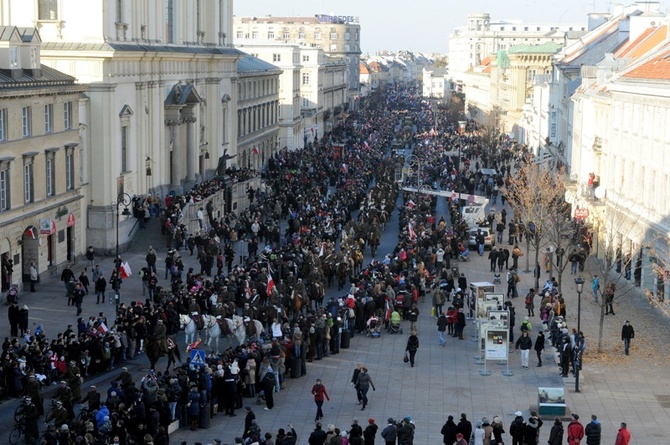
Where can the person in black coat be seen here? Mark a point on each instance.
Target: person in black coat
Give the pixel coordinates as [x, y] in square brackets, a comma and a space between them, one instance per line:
[517, 429]
[539, 347]
[370, 432]
[412, 346]
[460, 326]
[464, 426]
[449, 431]
[24, 316]
[13, 315]
[318, 436]
[593, 431]
[556, 433]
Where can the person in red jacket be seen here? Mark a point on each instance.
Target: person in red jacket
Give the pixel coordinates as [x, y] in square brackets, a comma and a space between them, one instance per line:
[575, 431]
[319, 392]
[623, 436]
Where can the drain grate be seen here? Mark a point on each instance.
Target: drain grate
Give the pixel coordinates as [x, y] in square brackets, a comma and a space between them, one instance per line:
[663, 400]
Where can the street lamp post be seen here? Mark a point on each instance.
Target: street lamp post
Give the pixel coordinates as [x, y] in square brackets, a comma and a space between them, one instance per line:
[123, 199]
[461, 130]
[579, 281]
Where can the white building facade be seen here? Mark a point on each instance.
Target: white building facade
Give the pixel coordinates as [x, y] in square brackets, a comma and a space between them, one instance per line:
[160, 79]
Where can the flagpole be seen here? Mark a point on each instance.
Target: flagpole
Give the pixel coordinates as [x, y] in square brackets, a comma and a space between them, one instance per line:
[125, 200]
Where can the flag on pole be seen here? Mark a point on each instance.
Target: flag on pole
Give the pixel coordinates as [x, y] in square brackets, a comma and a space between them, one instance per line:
[255, 150]
[271, 285]
[322, 252]
[102, 328]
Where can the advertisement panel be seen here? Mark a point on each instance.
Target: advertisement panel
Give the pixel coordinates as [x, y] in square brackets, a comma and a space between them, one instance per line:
[496, 345]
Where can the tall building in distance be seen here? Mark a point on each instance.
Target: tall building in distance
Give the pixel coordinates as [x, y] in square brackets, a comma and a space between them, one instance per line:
[337, 36]
[469, 45]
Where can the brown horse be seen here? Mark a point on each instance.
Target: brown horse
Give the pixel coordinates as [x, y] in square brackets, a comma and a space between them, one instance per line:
[343, 269]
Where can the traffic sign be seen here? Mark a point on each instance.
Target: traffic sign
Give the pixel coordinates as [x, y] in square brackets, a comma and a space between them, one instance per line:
[197, 357]
[581, 213]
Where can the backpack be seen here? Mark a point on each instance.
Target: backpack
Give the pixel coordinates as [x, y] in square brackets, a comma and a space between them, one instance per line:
[529, 299]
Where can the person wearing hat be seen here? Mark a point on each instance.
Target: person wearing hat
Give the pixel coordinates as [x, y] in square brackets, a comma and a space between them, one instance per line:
[478, 433]
[74, 379]
[517, 428]
[460, 440]
[58, 415]
[575, 431]
[390, 432]
[318, 436]
[355, 432]
[92, 398]
[370, 432]
[30, 416]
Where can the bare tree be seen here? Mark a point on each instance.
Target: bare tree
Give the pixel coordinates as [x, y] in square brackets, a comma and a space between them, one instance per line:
[537, 194]
[612, 223]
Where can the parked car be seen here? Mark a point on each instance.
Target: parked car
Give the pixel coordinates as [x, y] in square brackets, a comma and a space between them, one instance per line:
[490, 240]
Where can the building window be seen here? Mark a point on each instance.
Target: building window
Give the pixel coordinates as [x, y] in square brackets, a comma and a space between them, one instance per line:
[305, 102]
[347, 48]
[301, 33]
[28, 181]
[305, 58]
[333, 34]
[333, 48]
[67, 115]
[69, 168]
[5, 203]
[317, 36]
[305, 78]
[287, 35]
[271, 35]
[169, 21]
[3, 124]
[276, 57]
[48, 118]
[254, 34]
[347, 35]
[502, 28]
[26, 121]
[124, 149]
[51, 177]
[47, 9]
[240, 34]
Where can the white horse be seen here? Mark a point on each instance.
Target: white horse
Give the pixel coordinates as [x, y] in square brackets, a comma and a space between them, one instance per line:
[236, 326]
[213, 330]
[190, 329]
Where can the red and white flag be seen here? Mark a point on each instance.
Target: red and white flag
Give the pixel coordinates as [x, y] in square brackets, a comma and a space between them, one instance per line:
[411, 204]
[412, 234]
[255, 150]
[271, 285]
[102, 328]
[125, 270]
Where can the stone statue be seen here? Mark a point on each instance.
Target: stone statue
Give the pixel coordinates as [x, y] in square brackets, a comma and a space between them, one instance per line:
[223, 160]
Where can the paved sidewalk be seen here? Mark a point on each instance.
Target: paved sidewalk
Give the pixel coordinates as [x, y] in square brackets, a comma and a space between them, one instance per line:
[445, 380]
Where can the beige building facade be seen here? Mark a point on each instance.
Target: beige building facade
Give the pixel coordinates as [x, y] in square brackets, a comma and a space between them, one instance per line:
[41, 204]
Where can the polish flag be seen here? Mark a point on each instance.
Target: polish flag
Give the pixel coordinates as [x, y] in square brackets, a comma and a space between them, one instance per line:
[412, 234]
[271, 285]
[411, 204]
[255, 150]
[322, 252]
[102, 328]
[125, 270]
[193, 345]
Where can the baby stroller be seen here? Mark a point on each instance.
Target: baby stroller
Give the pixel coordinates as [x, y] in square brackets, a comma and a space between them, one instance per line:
[373, 327]
[13, 294]
[496, 278]
[394, 323]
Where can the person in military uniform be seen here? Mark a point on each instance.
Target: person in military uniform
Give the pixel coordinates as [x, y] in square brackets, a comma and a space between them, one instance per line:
[92, 398]
[33, 390]
[58, 415]
[73, 377]
[64, 395]
[160, 334]
[30, 416]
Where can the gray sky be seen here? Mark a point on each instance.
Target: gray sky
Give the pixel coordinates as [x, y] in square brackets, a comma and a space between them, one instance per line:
[424, 25]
